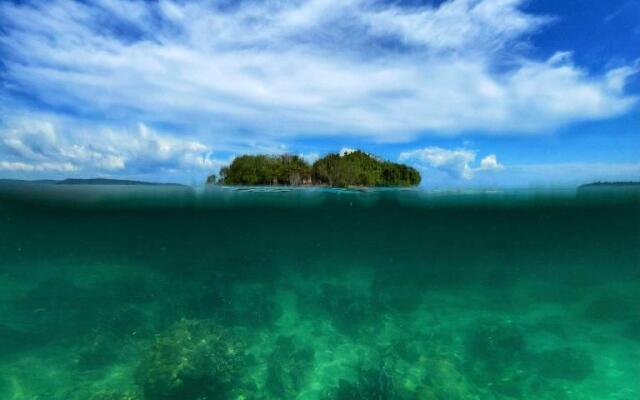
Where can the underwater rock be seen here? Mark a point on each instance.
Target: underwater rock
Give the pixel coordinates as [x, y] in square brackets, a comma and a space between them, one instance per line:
[288, 367]
[371, 384]
[566, 363]
[193, 360]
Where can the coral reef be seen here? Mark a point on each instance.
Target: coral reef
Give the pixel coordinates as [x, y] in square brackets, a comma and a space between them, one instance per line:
[443, 379]
[371, 384]
[288, 367]
[193, 360]
[115, 395]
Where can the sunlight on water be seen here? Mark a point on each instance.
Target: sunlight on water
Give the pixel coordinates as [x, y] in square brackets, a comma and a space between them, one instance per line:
[116, 293]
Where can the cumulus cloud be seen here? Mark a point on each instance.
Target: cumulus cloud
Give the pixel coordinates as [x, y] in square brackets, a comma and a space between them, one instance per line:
[37, 146]
[346, 150]
[490, 163]
[455, 163]
[290, 68]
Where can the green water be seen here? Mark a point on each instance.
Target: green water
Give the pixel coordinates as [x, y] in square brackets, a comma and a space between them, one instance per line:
[113, 293]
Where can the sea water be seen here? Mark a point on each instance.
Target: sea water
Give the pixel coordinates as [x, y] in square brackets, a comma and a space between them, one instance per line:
[160, 293]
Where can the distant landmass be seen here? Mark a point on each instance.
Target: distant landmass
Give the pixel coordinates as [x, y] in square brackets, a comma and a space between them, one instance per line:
[354, 168]
[623, 190]
[105, 181]
[610, 185]
[89, 181]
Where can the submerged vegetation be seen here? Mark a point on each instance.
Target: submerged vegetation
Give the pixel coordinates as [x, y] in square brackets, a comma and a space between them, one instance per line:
[193, 360]
[355, 168]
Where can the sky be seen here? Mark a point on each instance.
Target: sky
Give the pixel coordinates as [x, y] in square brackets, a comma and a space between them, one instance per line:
[473, 93]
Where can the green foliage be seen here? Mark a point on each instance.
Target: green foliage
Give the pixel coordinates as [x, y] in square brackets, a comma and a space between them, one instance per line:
[361, 169]
[266, 170]
[212, 179]
[193, 360]
[353, 169]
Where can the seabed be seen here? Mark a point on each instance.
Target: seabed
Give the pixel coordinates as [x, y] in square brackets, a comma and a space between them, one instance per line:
[337, 298]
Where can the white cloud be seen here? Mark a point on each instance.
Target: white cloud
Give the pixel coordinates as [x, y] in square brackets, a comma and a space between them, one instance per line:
[346, 150]
[490, 163]
[37, 167]
[316, 67]
[36, 146]
[461, 24]
[456, 163]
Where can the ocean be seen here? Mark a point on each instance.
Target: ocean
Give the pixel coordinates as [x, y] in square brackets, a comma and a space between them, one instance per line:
[163, 293]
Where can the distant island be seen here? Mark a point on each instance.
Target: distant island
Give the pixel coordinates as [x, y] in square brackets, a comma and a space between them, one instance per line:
[107, 181]
[610, 185]
[616, 189]
[355, 168]
[88, 181]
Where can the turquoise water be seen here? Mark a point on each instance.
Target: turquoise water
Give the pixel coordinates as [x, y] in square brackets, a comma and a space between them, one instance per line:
[114, 293]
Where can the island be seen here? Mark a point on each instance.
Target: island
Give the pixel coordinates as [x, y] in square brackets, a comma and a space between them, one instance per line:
[347, 169]
[108, 181]
[610, 189]
[606, 185]
[85, 182]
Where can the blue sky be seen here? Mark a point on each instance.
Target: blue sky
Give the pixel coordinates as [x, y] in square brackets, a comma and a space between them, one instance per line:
[475, 93]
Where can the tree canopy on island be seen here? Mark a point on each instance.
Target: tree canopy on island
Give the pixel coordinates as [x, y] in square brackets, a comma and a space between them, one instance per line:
[266, 170]
[356, 168]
